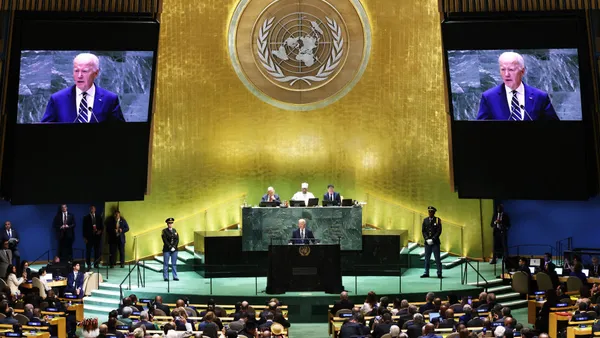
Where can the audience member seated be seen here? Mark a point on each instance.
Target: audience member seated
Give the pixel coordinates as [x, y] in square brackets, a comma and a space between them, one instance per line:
[343, 303]
[181, 321]
[579, 273]
[244, 308]
[53, 302]
[37, 316]
[158, 305]
[266, 326]
[414, 328]
[125, 313]
[89, 328]
[594, 268]
[382, 326]
[429, 298]
[429, 331]
[9, 317]
[144, 321]
[250, 330]
[12, 281]
[370, 303]
[551, 271]
[482, 300]
[467, 310]
[354, 327]
[278, 315]
[75, 282]
[239, 324]
[509, 322]
[449, 321]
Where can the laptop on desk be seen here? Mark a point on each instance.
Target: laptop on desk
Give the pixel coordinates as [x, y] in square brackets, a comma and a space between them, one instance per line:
[268, 204]
[347, 202]
[297, 204]
[329, 203]
[313, 202]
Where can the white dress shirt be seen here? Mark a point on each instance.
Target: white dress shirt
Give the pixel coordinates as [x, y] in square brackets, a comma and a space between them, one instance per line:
[89, 98]
[13, 283]
[520, 96]
[300, 196]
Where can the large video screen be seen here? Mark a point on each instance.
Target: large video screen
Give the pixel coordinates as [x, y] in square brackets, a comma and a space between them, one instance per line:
[116, 84]
[546, 81]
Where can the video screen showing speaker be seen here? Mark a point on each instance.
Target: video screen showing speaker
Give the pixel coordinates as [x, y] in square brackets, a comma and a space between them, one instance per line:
[520, 99]
[53, 83]
[79, 104]
[515, 85]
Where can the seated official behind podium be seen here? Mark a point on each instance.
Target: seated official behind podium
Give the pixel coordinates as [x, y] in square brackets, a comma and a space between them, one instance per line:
[333, 196]
[270, 196]
[302, 235]
[303, 195]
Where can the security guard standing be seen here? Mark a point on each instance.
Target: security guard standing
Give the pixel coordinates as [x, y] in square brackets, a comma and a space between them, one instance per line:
[170, 239]
[432, 229]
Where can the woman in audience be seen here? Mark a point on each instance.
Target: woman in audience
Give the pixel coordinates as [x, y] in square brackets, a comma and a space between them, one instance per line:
[181, 321]
[579, 273]
[12, 281]
[90, 328]
[25, 268]
[396, 306]
[370, 303]
[542, 321]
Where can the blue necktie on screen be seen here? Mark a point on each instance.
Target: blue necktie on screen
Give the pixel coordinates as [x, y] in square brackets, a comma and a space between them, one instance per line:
[515, 110]
[83, 114]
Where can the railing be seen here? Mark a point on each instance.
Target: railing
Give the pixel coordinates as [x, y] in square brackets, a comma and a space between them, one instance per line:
[561, 246]
[390, 215]
[134, 267]
[531, 249]
[464, 278]
[224, 213]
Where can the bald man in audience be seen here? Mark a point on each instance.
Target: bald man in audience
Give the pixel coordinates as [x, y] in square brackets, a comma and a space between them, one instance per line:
[429, 331]
[343, 303]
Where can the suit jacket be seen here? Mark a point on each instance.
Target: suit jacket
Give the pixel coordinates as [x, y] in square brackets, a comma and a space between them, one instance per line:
[111, 230]
[594, 271]
[308, 237]
[170, 239]
[4, 236]
[504, 223]
[381, 329]
[5, 260]
[62, 107]
[336, 198]
[432, 229]
[342, 304]
[265, 198]
[350, 329]
[9, 320]
[88, 229]
[494, 105]
[67, 233]
[73, 284]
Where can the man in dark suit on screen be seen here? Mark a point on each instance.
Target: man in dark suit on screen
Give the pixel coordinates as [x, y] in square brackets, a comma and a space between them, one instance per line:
[92, 235]
[432, 229]
[513, 100]
[302, 235]
[333, 196]
[64, 224]
[84, 102]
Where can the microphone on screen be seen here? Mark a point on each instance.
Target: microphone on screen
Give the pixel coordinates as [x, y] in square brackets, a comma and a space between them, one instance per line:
[526, 113]
[93, 115]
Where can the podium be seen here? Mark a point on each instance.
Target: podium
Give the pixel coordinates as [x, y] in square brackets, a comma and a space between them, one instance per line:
[304, 268]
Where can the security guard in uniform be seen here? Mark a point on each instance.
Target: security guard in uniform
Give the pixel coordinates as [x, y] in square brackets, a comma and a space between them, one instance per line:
[432, 229]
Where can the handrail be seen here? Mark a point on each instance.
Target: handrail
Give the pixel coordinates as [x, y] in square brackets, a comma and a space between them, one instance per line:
[464, 277]
[47, 252]
[552, 249]
[126, 277]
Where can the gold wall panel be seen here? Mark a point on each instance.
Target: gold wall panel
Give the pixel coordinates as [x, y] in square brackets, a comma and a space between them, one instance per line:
[448, 6]
[215, 141]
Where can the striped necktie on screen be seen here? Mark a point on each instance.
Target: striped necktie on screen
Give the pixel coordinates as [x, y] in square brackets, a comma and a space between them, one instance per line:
[515, 110]
[83, 114]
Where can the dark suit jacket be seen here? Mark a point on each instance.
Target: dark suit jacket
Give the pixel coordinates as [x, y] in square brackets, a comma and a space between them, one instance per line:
[381, 329]
[88, 229]
[504, 224]
[162, 307]
[432, 229]
[68, 233]
[111, 228]
[342, 304]
[265, 198]
[350, 329]
[62, 107]
[73, 284]
[4, 235]
[591, 268]
[8, 320]
[308, 236]
[426, 306]
[494, 105]
[336, 198]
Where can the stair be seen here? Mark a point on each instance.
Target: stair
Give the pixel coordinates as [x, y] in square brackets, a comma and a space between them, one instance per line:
[416, 257]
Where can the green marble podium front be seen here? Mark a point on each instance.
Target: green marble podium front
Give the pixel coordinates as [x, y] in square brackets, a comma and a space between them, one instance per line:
[330, 225]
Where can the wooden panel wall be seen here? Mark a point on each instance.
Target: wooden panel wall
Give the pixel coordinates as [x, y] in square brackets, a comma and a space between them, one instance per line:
[447, 6]
[118, 6]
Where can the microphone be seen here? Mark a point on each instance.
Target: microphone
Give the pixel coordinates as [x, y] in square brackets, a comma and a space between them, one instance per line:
[95, 118]
[526, 113]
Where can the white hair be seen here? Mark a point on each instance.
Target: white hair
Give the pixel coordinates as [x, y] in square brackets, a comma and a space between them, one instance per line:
[514, 57]
[88, 58]
[302, 220]
[270, 189]
[394, 330]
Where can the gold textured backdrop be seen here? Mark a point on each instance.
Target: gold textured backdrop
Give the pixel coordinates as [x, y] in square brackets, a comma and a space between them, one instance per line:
[385, 142]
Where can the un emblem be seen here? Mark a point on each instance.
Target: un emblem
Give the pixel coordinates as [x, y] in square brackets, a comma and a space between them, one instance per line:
[304, 250]
[299, 54]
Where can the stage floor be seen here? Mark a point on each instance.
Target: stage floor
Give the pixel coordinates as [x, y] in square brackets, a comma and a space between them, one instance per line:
[193, 284]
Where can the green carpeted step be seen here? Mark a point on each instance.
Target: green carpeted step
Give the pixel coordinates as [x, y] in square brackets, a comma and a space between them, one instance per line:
[420, 251]
[101, 301]
[106, 293]
[507, 296]
[491, 282]
[443, 256]
[500, 289]
[185, 257]
[160, 259]
[515, 304]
